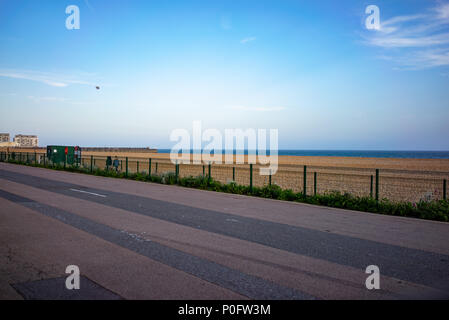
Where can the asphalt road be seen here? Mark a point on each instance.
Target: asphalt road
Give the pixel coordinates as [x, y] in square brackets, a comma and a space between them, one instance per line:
[134, 240]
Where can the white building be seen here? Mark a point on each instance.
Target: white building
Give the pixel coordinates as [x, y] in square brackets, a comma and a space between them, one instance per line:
[26, 140]
[4, 137]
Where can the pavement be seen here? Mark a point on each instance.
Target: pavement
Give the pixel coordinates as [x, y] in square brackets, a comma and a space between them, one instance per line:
[136, 240]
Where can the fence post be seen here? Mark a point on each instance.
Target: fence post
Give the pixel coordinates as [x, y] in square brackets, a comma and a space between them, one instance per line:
[269, 178]
[233, 173]
[156, 167]
[176, 171]
[45, 160]
[149, 166]
[91, 164]
[444, 189]
[65, 161]
[305, 181]
[377, 184]
[137, 166]
[204, 172]
[35, 158]
[371, 187]
[314, 183]
[126, 174]
[28, 158]
[209, 175]
[251, 177]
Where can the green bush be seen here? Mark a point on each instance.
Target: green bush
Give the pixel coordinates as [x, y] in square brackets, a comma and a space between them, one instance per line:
[200, 182]
[168, 178]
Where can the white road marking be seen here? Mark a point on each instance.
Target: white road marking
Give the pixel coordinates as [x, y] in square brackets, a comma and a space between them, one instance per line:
[95, 194]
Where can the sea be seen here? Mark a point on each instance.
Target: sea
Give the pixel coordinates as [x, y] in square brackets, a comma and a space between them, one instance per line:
[352, 153]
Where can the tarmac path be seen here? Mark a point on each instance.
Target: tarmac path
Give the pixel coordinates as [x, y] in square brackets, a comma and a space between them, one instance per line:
[136, 240]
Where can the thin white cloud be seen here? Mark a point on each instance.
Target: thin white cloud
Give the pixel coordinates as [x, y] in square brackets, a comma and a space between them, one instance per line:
[32, 77]
[442, 11]
[425, 59]
[246, 40]
[39, 99]
[257, 109]
[51, 79]
[405, 42]
[400, 19]
[391, 25]
[59, 100]
[414, 41]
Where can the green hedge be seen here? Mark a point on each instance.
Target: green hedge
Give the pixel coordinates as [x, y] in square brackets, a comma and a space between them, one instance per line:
[432, 210]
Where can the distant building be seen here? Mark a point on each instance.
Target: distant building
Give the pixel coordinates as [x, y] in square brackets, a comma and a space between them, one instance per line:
[4, 137]
[26, 140]
[9, 144]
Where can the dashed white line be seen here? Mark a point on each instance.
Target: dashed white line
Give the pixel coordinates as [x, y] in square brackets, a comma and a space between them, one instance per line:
[92, 193]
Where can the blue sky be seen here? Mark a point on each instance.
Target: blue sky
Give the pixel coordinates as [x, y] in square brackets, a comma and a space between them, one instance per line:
[308, 68]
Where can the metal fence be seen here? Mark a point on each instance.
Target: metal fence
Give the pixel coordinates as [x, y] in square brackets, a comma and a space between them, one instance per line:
[392, 184]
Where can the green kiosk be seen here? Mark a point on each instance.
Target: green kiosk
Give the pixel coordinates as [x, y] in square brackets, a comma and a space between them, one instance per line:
[59, 154]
